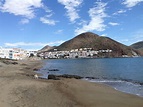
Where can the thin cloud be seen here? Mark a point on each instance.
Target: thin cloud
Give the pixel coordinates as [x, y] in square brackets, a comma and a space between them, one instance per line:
[71, 7]
[97, 15]
[113, 23]
[47, 18]
[48, 21]
[59, 31]
[19, 44]
[24, 21]
[131, 3]
[119, 12]
[135, 37]
[25, 8]
[56, 43]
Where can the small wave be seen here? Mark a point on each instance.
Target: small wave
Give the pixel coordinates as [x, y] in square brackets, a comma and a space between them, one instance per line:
[120, 85]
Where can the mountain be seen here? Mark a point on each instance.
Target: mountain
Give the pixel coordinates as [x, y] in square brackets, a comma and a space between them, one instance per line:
[138, 45]
[46, 48]
[96, 42]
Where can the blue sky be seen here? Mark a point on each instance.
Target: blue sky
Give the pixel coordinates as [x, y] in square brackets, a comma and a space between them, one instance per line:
[32, 24]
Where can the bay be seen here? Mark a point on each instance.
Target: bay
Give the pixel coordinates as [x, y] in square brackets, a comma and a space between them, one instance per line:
[124, 74]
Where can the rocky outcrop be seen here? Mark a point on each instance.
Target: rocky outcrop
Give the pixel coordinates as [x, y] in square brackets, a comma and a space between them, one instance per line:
[56, 77]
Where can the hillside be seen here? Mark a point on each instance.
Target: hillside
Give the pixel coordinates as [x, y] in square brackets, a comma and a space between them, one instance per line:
[138, 45]
[46, 48]
[96, 42]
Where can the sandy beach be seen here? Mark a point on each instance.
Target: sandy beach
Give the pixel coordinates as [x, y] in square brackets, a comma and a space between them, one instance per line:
[18, 88]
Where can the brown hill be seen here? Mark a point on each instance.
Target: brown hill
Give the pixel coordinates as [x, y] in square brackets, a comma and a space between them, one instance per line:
[46, 48]
[138, 46]
[96, 42]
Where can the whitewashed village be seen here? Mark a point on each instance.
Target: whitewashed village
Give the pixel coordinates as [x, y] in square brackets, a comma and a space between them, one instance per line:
[75, 53]
[16, 53]
[21, 54]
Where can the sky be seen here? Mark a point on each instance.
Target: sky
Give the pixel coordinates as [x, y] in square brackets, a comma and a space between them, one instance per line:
[33, 24]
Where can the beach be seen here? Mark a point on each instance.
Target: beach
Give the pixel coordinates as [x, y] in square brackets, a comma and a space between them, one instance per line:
[19, 88]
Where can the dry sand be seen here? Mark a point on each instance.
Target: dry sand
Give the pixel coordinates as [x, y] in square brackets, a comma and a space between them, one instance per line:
[18, 88]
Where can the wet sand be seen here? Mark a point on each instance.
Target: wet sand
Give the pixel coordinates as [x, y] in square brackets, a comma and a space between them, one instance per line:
[18, 88]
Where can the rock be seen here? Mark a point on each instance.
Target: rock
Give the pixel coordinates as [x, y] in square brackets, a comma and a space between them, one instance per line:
[54, 77]
[9, 62]
[6, 62]
[70, 76]
[14, 63]
[35, 69]
[90, 78]
[53, 69]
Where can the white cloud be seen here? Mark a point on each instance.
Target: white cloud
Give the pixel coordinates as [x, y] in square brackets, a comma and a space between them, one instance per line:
[119, 12]
[24, 21]
[131, 3]
[47, 9]
[47, 20]
[113, 24]
[97, 15]
[71, 6]
[105, 35]
[56, 43]
[19, 44]
[25, 8]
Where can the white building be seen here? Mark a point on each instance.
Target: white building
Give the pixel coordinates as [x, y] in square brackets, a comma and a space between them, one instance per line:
[5, 53]
[13, 53]
[19, 54]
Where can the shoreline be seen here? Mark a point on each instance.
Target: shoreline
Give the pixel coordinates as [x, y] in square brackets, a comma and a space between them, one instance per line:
[100, 81]
[21, 89]
[105, 82]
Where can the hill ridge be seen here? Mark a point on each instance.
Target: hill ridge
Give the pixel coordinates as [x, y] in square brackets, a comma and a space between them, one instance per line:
[96, 42]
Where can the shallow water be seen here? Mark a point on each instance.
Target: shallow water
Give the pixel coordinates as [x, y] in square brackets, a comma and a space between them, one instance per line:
[125, 74]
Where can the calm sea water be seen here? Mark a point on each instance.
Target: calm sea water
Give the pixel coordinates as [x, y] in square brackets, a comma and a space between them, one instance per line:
[124, 74]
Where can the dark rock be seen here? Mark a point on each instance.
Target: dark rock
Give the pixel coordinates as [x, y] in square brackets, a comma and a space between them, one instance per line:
[90, 78]
[9, 62]
[141, 83]
[70, 76]
[54, 77]
[53, 69]
[35, 69]
[6, 62]
[14, 63]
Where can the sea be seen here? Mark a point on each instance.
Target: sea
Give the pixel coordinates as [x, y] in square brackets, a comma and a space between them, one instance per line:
[123, 74]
